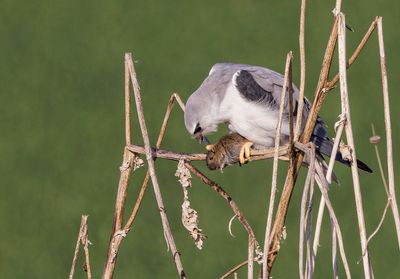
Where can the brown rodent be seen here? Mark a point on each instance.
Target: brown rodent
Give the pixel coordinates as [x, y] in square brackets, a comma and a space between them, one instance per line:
[225, 152]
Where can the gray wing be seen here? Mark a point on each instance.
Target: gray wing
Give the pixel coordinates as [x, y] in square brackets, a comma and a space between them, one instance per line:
[258, 84]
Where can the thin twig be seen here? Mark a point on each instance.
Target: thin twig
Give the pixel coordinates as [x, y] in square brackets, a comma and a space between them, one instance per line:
[150, 161]
[275, 166]
[331, 84]
[83, 240]
[233, 270]
[388, 129]
[378, 227]
[378, 158]
[350, 140]
[335, 147]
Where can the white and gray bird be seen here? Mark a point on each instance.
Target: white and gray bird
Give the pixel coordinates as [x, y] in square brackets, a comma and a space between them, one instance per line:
[247, 99]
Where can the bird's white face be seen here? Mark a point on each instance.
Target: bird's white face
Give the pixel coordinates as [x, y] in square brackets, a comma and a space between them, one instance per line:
[200, 126]
[198, 120]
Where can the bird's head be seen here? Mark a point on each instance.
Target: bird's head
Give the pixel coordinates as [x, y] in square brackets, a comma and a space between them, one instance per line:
[199, 120]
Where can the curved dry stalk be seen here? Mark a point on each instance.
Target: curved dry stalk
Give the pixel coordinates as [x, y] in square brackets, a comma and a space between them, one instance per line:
[388, 129]
[217, 188]
[233, 270]
[378, 227]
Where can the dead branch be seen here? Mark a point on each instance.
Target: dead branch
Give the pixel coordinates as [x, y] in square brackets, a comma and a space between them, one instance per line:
[255, 155]
[83, 239]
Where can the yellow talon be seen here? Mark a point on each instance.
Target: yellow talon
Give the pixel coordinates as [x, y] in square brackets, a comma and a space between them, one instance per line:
[244, 154]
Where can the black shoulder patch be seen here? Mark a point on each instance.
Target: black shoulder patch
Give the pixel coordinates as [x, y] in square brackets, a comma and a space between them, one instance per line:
[251, 90]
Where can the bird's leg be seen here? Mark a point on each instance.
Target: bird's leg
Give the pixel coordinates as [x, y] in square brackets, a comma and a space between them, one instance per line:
[244, 154]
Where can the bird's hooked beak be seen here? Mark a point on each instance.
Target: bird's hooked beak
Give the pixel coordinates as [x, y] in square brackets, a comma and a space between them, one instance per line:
[202, 139]
[198, 134]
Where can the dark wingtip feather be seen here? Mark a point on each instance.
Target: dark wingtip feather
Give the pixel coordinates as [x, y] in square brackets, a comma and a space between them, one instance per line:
[362, 166]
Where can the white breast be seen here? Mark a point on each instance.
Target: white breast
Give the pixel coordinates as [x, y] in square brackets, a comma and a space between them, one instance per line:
[254, 121]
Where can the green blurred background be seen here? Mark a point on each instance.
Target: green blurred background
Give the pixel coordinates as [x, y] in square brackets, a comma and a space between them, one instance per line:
[62, 130]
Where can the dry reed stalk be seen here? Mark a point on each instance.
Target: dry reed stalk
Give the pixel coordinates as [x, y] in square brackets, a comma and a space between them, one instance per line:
[335, 147]
[127, 106]
[302, 70]
[323, 186]
[317, 233]
[310, 258]
[309, 127]
[83, 239]
[303, 213]
[174, 98]
[250, 258]
[349, 135]
[388, 130]
[275, 167]
[166, 227]
[329, 172]
[117, 234]
[334, 253]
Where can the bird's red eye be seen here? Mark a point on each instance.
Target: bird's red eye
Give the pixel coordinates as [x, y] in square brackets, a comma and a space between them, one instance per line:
[197, 129]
